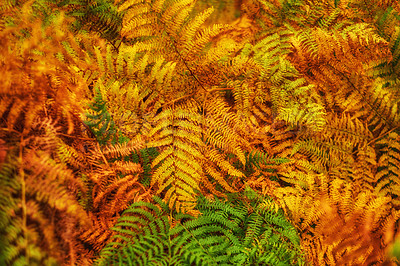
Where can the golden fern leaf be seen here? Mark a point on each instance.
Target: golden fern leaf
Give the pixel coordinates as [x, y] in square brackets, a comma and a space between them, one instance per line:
[223, 129]
[192, 28]
[339, 148]
[384, 113]
[170, 27]
[312, 116]
[305, 193]
[178, 166]
[324, 45]
[137, 20]
[131, 104]
[175, 15]
[286, 88]
[193, 47]
[365, 166]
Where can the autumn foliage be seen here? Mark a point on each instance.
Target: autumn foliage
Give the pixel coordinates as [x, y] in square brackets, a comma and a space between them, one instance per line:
[183, 132]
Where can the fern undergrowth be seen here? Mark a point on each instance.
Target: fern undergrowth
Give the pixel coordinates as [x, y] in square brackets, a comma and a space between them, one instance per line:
[156, 132]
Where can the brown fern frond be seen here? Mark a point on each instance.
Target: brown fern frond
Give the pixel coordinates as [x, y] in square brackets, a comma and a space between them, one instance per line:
[342, 224]
[114, 183]
[46, 198]
[99, 233]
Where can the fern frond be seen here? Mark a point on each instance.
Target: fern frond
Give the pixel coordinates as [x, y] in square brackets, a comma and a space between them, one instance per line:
[191, 29]
[323, 44]
[179, 163]
[168, 25]
[312, 117]
[32, 68]
[114, 182]
[255, 158]
[388, 167]
[141, 222]
[193, 47]
[384, 113]
[137, 19]
[31, 236]
[241, 224]
[286, 87]
[220, 123]
[43, 218]
[222, 235]
[278, 13]
[341, 204]
[327, 22]
[97, 16]
[334, 146]
[100, 122]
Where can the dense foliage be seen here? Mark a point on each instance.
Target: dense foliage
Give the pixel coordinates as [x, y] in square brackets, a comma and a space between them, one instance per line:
[183, 132]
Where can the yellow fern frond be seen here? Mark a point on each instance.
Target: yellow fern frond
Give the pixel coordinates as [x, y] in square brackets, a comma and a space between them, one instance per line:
[178, 166]
[218, 159]
[221, 129]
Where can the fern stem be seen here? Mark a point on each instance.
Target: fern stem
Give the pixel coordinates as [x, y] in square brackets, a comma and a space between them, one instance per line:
[187, 66]
[102, 155]
[21, 174]
[178, 99]
[180, 55]
[74, 137]
[381, 136]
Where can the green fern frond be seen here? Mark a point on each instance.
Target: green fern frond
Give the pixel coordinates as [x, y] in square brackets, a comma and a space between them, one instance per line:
[254, 232]
[100, 122]
[226, 233]
[141, 223]
[145, 157]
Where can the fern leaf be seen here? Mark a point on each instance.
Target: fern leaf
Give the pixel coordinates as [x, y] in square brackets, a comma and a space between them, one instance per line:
[388, 172]
[179, 171]
[214, 238]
